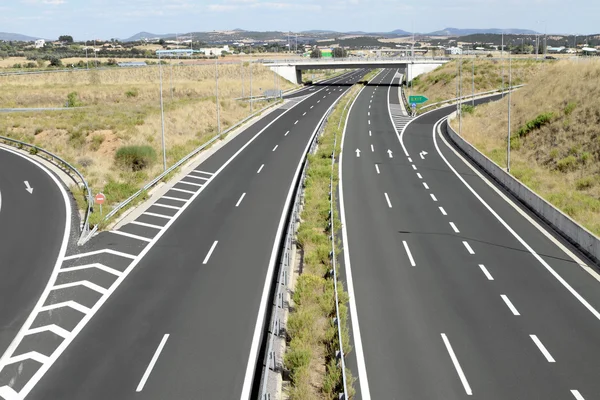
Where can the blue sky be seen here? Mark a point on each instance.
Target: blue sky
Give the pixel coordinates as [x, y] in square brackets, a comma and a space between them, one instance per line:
[123, 18]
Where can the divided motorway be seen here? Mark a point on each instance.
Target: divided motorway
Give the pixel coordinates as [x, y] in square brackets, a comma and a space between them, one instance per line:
[172, 305]
[455, 293]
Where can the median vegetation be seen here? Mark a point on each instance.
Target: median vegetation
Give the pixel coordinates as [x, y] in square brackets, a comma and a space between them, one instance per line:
[313, 341]
[555, 141]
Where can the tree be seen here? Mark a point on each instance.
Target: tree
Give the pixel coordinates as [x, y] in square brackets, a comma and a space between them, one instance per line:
[161, 42]
[316, 53]
[55, 62]
[339, 52]
[65, 39]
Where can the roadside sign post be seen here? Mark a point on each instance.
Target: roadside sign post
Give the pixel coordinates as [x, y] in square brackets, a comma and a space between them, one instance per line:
[413, 106]
[100, 199]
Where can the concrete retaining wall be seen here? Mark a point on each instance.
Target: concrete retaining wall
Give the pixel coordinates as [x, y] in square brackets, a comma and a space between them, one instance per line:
[562, 223]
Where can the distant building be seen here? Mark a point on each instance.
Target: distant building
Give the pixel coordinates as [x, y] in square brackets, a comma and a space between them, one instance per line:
[40, 43]
[133, 64]
[589, 51]
[454, 51]
[215, 51]
[551, 49]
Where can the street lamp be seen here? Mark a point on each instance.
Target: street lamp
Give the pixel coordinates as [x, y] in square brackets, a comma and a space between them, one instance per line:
[162, 113]
[509, 92]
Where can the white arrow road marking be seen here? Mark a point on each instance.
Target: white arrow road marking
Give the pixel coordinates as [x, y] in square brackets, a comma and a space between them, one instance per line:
[423, 154]
[357, 153]
[28, 188]
[390, 153]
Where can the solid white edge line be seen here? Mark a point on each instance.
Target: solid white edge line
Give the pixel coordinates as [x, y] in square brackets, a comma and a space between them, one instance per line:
[410, 257]
[509, 304]
[459, 370]
[577, 395]
[486, 272]
[358, 347]
[83, 322]
[516, 235]
[542, 348]
[240, 200]
[59, 260]
[377, 168]
[212, 248]
[260, 169]
[443, 211]
[388, 200]
[468, 247]
[454, 228]
[146, 375]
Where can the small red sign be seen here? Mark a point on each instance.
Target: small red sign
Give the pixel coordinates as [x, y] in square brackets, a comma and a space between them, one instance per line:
[100, 198]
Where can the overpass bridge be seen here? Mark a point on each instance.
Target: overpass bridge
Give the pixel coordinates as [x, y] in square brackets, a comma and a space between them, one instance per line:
[411, 66]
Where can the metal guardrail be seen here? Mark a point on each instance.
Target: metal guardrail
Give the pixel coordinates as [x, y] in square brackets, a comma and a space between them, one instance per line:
[270, 362]
[415, 60]
[64, 165]
[471, 96]
[154, 181]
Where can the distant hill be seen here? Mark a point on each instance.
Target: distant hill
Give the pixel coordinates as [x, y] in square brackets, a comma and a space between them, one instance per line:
[400, 32]
[464, 32]
[148, 35]
[16, 37]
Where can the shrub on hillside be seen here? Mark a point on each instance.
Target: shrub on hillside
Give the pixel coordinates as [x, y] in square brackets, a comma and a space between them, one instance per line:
[135, 158]
[536, 123]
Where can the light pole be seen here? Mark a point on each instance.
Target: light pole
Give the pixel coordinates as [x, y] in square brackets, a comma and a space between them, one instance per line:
[217, 85]
[473, 87]
[87, 62]
[508, 136]
[242, 71]
[460, 96]
[251, 102]
[162, 114]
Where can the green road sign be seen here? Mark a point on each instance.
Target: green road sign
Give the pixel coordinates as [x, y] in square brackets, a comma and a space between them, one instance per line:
[417, 99]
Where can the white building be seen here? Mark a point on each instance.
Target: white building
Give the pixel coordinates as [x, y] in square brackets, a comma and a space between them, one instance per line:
[454, 51]
[40, 43]
[215, 51]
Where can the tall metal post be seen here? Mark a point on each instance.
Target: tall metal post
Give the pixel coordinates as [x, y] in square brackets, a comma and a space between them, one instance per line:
[171, 78]
[473, 92]
[217, 85]
[162, 114]
[251, 99]
[242, 65]
[502, 62]
[460, 96]
[509, 92]
[87, 62]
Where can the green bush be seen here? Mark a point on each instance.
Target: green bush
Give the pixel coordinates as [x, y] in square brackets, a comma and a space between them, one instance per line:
[132, 93]
[468, 109]
[568, 163]
[584, 183]
[73, 100]
[536, 123]
[570, 107]
[135, 158]
[97, 141]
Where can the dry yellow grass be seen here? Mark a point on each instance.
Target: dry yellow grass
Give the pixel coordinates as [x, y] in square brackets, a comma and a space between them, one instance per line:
[122, 108]
[560, 159]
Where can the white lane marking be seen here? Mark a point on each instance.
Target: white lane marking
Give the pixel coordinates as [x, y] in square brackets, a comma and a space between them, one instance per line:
[99, 266]
[454, 227]
[183, 190]
[369, 122]
[358, 347]
[166, 206]
[286, 133]
[146, 375]
[372, 148]
[368, 113]
[75, 306]
[409, 159]
[275, 148]
[461, 374]
[369, 132]
[57, 330]
[87, 284]
[485, 271]
[388, 200]
[93, 253]
[295, 122]
[319, 101]
[157, 215]
[8, 393]
[414, 167]
[443, 211]
[509, 304]
[32, 355]
[173, 198]
[577, 395]
[240, 200]
[425, 185]
[419, 175]
[409, 254]
[433, 197]
[468, 247]
[311, 107]
[324, 96]
[369, 107]
[519, 238]
[212, 248]
[304, 113]
[542, 348]
[260, 169]
[191, 183]
[147, 225]
[204, 172]
[377, 168]
[202, 178]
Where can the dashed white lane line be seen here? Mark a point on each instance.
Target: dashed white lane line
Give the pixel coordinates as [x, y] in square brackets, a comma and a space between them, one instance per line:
[542, 348]
[486, 272]
[433, 197]
[577, 395]
[311, 107]
[286, 133]
[509, 304]
[454, 228]
[295, 123]
[129, 235]
[419, 175]
[459, 370]
[146, 375]
[468, 247]
[369, 132]
[212, 248]
[304, 113]
[409, 159]
[369, 114]
[369, 122]
[318, 101]
[388, 200]
[443, 211]
[377, 168]
[275, 148]
[409, 254]
[260, 169]
[425, 185]
[369, 107]
[372, 149]
[240, 200]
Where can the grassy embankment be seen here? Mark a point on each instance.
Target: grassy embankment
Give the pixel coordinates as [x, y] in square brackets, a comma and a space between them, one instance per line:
[311, 352]
[122, 109]
[321, 74]
[555, 140]
[440, 84]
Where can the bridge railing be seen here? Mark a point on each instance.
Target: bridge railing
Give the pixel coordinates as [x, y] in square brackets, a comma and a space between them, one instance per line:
[415, 60]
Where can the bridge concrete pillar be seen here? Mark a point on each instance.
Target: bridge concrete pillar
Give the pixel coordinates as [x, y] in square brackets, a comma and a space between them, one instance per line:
[289, 72]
